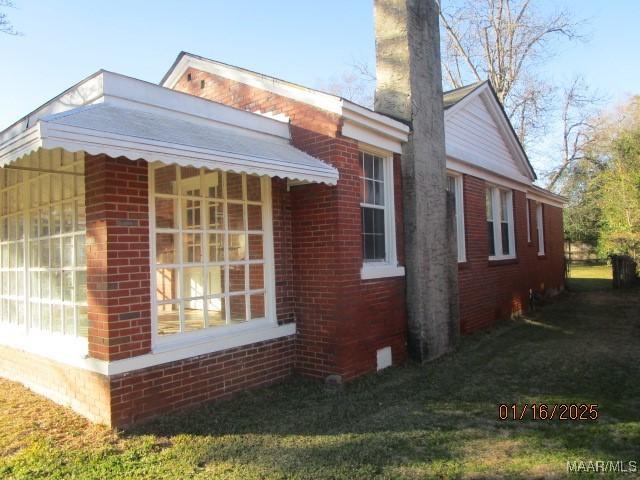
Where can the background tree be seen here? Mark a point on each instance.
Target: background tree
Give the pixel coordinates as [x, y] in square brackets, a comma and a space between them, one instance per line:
[579, 126]
[5, 24]
[603, 185]
[507, 42]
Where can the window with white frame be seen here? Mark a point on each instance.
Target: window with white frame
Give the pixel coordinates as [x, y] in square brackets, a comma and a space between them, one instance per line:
[378, 216]
[209, 248]
[540, 225]
[455, 186]
[500, 227]
[42, 244]
[528, 210]
[372, 206]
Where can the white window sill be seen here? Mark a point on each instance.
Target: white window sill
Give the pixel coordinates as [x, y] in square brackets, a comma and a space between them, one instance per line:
[503, 257]
[372, 271]
[252, 332]
[73, 351]
[56, 347]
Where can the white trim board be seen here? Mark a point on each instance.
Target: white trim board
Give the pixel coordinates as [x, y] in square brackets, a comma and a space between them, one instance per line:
[261, 146]
[214, 344]
[532, 191]
[360, 123]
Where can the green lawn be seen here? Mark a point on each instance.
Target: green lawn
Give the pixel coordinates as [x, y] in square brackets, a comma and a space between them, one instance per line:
[434, 421]
[590, 277]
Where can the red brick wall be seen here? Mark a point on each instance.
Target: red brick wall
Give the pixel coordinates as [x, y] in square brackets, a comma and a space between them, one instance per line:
[178, 385]
[492, 291]
[341, 320]
[117, 247]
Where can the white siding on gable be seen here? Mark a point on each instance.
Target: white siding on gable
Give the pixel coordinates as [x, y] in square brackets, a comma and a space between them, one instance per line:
[473, 135]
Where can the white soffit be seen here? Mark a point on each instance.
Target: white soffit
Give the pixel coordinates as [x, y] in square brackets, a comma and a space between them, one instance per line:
[137, 119]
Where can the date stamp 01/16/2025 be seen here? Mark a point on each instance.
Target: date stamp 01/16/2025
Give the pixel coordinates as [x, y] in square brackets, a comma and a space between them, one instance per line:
[542, 411]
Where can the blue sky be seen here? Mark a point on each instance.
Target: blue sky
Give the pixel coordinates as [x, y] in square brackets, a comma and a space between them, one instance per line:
[306, 42]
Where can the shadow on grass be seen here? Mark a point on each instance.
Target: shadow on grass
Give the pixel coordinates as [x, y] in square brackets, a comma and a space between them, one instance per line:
[443, 417]
[589, 284]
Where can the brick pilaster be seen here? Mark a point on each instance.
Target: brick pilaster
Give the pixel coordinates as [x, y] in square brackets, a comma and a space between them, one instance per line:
[118, 274]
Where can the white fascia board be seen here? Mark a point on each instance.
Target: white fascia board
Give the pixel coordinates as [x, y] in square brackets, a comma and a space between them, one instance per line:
[85, 92]
[132, 91]
[387, 125]
[325, 101]
[467, 157]
[522, 184]
[544, 196]
[20, 145]
[94, 142]
[462, 166]
[371, 137]
[372, 128]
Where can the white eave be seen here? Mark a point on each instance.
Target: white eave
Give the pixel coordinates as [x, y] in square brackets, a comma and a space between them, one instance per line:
[359, 123]
[120, 116]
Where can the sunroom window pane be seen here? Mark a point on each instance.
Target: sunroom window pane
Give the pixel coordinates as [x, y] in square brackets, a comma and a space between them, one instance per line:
[166, 248]
[211, 253]
[193, 314]
[166, 213]
[216, 312]
[166, 180]
[168, 316]
[40, 241]
[238, 308]
[257, 306]
[234, 186]
[236, 216]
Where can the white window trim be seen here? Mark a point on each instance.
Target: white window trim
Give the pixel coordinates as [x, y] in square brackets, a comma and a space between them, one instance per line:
[73, 351]
[388, 268]
[528, 207]
[540, 225]
[180, 341]
[460, 232]
[497, 220]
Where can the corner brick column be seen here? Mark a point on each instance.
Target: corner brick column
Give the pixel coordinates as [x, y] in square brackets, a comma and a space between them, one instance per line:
[118, 274]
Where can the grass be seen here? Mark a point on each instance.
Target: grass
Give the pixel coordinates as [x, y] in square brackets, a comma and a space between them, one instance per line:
[433, 421]
[590, 277]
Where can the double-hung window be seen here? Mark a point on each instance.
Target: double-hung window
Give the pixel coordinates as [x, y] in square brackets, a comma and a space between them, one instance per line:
[540, 225]
[378, 218]
[500, 227]
[454, 185]
[210, 243]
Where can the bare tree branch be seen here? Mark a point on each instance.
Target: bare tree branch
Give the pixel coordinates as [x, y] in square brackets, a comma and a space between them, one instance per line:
[503, 41]
[5, 24]
[578, 110]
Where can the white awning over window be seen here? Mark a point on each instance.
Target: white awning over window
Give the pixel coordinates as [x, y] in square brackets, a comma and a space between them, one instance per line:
[157, 124]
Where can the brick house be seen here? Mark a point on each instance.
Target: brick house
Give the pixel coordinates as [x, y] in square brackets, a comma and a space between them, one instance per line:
[164, 246]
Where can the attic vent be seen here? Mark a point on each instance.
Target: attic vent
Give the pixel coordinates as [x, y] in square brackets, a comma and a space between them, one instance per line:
[201, 83]
[188, 77]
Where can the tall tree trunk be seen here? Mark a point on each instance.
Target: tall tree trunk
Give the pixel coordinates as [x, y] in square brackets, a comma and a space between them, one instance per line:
[409, 89]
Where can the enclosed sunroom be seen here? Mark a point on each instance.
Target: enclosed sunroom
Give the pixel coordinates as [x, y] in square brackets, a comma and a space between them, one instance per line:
[136, 230]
